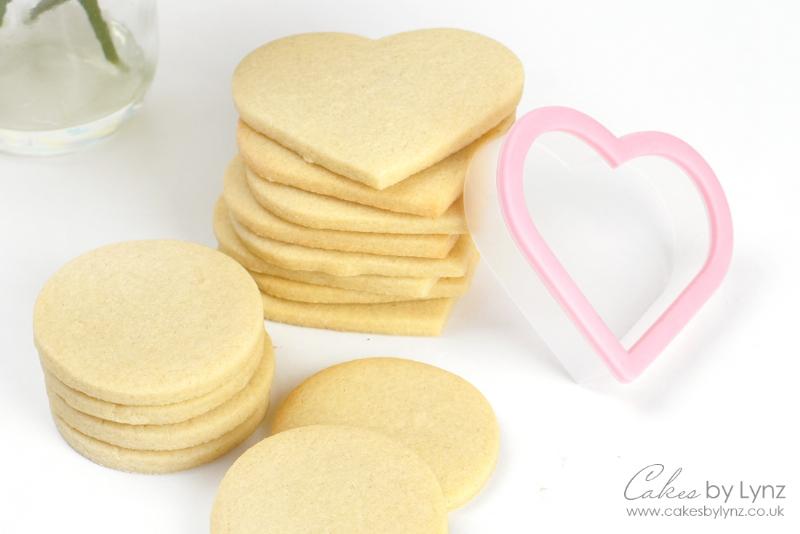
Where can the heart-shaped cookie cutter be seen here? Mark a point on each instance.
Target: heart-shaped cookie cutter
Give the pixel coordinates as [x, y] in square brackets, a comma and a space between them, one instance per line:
[598, 338]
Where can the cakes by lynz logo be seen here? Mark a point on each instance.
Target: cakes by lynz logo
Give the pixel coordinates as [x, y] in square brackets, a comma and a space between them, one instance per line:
[657, 491]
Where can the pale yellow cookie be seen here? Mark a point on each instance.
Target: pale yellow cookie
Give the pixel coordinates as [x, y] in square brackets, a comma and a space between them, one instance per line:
[409, 318]
[189, 433]
[155, 414]
[136, 461]
[303, 292]
[328, 213]
[261, 221]
[437, 414]
[428, 193]
[148, 322]
[229, 243]
[378, 111]
[332, 480]
[340, 263]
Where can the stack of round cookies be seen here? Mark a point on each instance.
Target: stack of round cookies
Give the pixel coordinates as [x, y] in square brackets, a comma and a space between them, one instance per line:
[154, 353]
[345, 200]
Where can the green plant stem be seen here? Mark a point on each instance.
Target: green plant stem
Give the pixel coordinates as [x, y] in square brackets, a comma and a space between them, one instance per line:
[101, 31]
[43, 7]
[93, 13]
[3, 4]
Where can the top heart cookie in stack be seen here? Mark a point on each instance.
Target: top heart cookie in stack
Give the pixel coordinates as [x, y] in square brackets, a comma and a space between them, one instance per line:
[345, 200]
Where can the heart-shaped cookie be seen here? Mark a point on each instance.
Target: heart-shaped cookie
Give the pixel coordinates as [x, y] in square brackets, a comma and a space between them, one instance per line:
[378, 111]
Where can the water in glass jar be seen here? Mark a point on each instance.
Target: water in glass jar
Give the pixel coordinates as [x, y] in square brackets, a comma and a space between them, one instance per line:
[57, 89]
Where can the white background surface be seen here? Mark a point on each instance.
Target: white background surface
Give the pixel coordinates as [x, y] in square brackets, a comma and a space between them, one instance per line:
[721, 403]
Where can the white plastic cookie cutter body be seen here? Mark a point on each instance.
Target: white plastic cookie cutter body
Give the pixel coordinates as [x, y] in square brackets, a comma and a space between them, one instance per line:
[629, 239]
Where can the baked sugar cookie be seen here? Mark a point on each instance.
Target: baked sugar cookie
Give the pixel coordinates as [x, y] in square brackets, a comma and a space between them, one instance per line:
[328, 213]
[340, 263]
[189, 433]
[430, 93]
[303, 292]
[437, 414]
[152, 462]
[311, 293]
[331, 479]
[428, 193]
[229, 243]
[148, 322]
[261, 221]
[154, 414]
[409, 318]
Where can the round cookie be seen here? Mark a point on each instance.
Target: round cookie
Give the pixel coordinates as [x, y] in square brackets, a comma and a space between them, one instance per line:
[437, 414]
[152, 462]
[195, 431]
[261, 221]
[332, 479]
[148, 322]
[163, 414]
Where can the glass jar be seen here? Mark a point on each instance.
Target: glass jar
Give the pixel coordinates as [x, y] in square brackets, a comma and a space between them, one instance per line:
[72, 71]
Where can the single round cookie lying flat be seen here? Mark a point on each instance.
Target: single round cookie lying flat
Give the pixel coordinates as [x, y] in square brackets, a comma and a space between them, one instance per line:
[148, 322]
[158, 414]
[136, 461]
[332, 479]
[195, 431]
[437, 414]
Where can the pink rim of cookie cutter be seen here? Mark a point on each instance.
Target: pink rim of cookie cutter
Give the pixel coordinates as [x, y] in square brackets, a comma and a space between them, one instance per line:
[625, 365]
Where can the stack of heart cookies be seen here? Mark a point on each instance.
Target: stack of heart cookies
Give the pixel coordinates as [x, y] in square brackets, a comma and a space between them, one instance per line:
[345, 200]
[154, 354]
